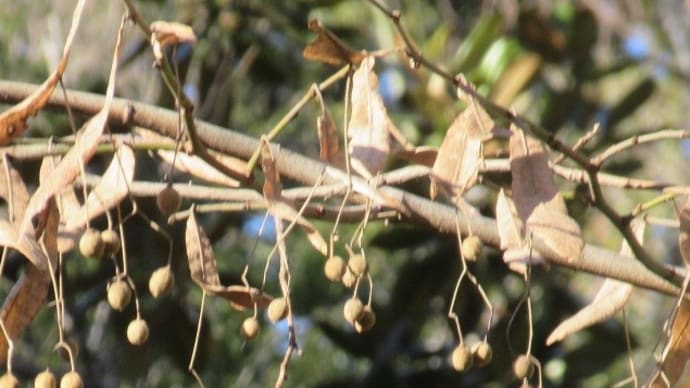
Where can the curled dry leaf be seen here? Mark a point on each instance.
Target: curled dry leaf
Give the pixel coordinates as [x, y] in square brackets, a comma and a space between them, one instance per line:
[164, 33]
[13, 120]
[516, 251]
[202, 261]
[369, 128]
[423, 155]
[684, 231]
[328, 48]
[457, 165]
[110, 191]
[29, 293]
[538, 201]
[24, 301]
[198, 168]
[83, 150]
[611, 298]
[276, 204]
[203, 270]
[677, 351]
[329, 146]
[13, 190]
[272, 186]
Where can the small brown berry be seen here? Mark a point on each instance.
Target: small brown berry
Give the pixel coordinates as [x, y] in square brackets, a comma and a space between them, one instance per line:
[461, 359]
[334, 268]
[168, 200]
[91, 244]
[8, 381]
[482, 353]
[250, 328]
[277, 310]
[349, 279]
[353, 309]
[71, 379]
[366, 321]
[137, 332]
[358, 265]
[45, 379]
[161, 281]
[471, 248]
[522, 367]
[111, 242]
[119, 294]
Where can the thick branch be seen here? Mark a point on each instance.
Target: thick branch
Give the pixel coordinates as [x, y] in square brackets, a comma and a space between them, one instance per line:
[436, 215]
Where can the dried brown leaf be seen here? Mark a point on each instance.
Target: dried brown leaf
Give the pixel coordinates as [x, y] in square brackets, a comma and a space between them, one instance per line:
[509, 225]
[457, 165]
[13, 190]
[611, 298]
[13, 121]
[423, 155]
[202, 261]
[516, 252]
[24, 302]
[369, 126]
[203, 270]
[329, 144]
[171, 32]
[84, 148]
[27, 297]
[538, 201]
[110, 190]
[272, 186]
[328, 48]
[242, 297]
[684, 231]
[164, 33]
[677, 353]
[198, 168]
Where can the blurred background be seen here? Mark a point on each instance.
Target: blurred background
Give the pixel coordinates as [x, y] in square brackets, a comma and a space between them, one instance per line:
[563, 64]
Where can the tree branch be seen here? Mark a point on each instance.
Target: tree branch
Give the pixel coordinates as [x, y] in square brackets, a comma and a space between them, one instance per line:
[422, 211]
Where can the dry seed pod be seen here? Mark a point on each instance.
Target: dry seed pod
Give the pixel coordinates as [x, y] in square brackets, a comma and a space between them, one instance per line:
[119, 294]
[522, 367]
[161, 281]
[358, 265]
[334, 268]
[137, 332]
[482, 353]
[168, 200]
[71, 379]
[45, 379]
[471, 248]
[349, 279]
[91, 244]
[250, 328]
[461, 358]
[8, 381]
[277, 310]
[111, 242]
[366, 321]
[353, 309]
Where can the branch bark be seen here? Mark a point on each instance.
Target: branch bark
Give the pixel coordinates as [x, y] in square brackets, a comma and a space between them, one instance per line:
[422, 211]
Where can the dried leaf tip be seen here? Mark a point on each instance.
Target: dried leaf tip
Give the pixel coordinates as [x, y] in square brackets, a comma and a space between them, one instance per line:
[171, 33]
[165, 33]
[329, 49]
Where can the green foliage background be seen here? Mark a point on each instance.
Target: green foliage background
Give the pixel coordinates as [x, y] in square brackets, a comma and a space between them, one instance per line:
[622, 64]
